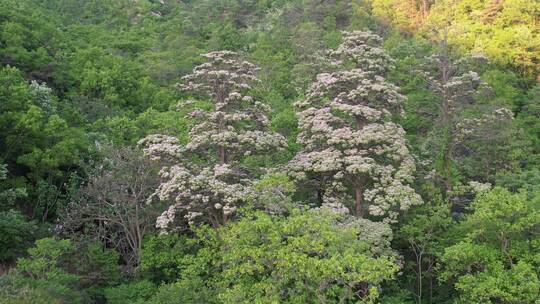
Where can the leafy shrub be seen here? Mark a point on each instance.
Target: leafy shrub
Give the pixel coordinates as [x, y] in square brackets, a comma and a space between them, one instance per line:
[15, 234]
[162, 257]
[63, 271]
[27, 295]
[43, 270]
[130, 292]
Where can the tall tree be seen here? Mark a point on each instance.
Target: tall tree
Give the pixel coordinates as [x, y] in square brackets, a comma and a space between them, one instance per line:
[352, 150]
[236, 126]
[36, 143]
[463, 124]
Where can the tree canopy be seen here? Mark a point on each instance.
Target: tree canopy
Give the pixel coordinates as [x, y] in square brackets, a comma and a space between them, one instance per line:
[269, 151]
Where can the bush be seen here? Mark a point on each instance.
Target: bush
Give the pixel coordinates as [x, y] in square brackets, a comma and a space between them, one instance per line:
[43, 270]
[97, 268]
[162, 257]
[130, 293]
[15, 234]
[301, 258]
[27, 295]
[61, 271]
[184, 291]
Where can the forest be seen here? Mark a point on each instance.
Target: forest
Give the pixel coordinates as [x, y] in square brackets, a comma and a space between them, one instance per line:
[269, 151]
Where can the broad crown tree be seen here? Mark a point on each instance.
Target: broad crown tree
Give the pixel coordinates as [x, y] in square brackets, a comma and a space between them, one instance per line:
[234, 127]
[352, 151]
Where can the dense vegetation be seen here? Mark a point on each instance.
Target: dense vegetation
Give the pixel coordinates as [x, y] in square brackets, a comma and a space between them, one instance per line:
[269, 151]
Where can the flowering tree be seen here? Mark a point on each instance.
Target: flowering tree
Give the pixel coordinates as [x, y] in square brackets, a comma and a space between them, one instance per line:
[235, 127]
[352, 150]
[464, 126]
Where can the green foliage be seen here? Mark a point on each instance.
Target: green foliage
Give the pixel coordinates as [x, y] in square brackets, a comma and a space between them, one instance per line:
[97, 268]
[506, 88]
[505, 31]
[409, 55]
[43, 270]
[115, 82]
[426, 230]
[496, 259]
[15, 234]
[77, 75]
[26, 38]
[8, 194]
[528, 119]
[163, 257]
[27, 295]
[422, 235]
[40, 144]
[276, 180]
[306, 257]
[528, 180]
[137, 292]
[184, 291]
[62, 271]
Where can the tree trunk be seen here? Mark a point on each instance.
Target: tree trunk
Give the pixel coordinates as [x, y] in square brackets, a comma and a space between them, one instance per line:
[447, 171]
[224, 216]
[430, 277]
[419, 277]
[447, 121]
[359, 187]
[358, 208]
[213, 218]
[320, 196]
[139, 235]
[222, 156]
[425, 9]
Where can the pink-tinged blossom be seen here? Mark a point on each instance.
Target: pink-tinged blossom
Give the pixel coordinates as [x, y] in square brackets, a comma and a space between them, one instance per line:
[235, 127]
[348, 139]
[160, 146]
[365, 50]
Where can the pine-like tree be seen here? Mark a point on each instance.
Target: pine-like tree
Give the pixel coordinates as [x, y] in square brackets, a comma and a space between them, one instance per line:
[465, 130]
[352, 151]
[235, 127]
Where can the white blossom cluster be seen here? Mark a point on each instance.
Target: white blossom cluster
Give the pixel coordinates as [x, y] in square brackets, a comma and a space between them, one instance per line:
[222, 72]
[348, 137]
[42, 95]
[469, 127]
[364, 50]
[235, 127]
[463, 122]
[479, 187]
[238, 122]
[217, 130]
[213, 192]
[166, 218]
[159, 146]
[334, 206]
[355, 92]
